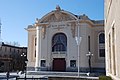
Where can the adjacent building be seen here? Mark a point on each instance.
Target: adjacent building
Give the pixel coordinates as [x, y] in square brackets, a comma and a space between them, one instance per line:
[12, 58]
[52, 42]
[112, 35]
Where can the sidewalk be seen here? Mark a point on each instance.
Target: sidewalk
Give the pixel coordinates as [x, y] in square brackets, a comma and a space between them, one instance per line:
[46, 74]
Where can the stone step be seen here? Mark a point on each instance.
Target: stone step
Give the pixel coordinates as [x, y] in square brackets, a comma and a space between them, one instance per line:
[55, 73]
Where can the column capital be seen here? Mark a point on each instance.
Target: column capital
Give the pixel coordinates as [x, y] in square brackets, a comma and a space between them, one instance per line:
[39, 27]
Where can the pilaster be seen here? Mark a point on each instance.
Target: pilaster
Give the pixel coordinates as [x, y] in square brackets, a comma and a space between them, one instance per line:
[38, 47]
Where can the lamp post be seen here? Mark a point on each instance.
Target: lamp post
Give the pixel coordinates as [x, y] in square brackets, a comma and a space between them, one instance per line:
[24, 56]
[8, 71]
[89, 55]
[78, 41]
[26, 68]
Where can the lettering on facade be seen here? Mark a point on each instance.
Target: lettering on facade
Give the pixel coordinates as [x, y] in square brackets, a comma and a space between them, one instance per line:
[59, 26]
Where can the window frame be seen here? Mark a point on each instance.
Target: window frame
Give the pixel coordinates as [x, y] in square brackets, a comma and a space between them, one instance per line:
[101, 45]
[43, 63]
[73, 64]
[61, 42]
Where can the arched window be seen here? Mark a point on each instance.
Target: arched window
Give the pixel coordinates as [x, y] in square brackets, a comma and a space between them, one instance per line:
[101, 38]
[102, 45]
[59, 42]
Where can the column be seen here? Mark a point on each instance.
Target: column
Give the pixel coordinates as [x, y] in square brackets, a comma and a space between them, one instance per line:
[38, 48]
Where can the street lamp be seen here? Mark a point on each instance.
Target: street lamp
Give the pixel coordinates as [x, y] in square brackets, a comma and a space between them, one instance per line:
[26, 61]
[89, 55]
[24, 56]
[78, 41]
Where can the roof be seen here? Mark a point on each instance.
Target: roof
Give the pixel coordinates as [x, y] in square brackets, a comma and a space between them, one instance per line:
[3, 44]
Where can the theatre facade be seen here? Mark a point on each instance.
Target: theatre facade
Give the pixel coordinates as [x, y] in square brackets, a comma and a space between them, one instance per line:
[53, 39]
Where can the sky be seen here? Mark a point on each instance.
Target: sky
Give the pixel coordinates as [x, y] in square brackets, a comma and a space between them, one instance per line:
[16, 15]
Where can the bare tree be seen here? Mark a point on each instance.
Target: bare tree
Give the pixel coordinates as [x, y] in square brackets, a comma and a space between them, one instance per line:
[13, 43]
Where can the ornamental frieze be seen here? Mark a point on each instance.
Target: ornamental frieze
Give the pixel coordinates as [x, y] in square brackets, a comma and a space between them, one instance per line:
[73, 29]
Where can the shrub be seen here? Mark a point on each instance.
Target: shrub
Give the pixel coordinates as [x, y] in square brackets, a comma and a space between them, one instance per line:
[105, 78]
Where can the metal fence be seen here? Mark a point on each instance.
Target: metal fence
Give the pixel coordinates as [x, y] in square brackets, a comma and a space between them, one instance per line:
[31, 78]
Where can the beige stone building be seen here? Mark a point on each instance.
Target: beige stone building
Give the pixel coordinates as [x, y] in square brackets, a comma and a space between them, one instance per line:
[112, 31]
[52, 42]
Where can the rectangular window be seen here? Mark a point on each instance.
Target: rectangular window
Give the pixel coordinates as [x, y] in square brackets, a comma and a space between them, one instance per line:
[35, 53]
[102, 52]
[110, 61]
[35, 41]
[10, 49]
[1, 48]
[88, 43]
[113, 49]
[5, 49]
[14, 50]
[18, 51]
[72, 63]
[43, 63]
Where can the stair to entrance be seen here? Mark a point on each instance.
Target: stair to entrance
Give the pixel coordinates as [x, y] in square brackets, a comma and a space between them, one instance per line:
[55, 73]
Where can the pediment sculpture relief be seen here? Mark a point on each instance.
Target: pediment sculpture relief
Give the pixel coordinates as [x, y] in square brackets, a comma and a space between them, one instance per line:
[57, 16]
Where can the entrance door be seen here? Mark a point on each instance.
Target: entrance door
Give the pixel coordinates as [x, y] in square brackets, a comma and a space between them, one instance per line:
[59, 64]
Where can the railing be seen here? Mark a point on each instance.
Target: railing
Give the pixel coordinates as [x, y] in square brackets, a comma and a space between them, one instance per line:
[59, 52]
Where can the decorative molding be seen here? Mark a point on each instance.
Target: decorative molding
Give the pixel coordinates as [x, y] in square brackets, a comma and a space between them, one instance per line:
[44, 26]
[44, 30]
[58, 15]
[73, 29]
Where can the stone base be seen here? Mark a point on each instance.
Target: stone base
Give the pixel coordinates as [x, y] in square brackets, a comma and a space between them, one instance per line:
[30, 68]
[44, 69]
[75, 69]
[37, 69]
[86, 69]
[69, 69]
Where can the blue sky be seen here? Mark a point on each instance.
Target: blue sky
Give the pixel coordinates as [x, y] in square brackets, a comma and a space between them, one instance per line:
[18, 14]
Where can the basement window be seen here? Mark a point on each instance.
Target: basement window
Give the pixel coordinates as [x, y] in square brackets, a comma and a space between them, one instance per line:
[43, 63]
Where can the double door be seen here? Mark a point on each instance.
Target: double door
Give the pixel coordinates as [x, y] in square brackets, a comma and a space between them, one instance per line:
[59, 64]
